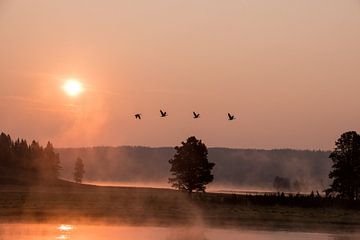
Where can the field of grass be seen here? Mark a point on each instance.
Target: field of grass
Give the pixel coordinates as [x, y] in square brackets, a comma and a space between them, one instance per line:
[115, 205]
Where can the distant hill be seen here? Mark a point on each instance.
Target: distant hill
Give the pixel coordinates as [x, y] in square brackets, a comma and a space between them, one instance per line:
[235, 168]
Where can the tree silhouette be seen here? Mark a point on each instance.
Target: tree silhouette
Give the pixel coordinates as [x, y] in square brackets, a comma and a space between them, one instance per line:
[190, 167]
[52, 162]
[21, 163]
[346, 167]
[79, 170]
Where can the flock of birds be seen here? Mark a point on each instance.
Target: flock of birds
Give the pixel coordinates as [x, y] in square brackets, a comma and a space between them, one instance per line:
[195, 115]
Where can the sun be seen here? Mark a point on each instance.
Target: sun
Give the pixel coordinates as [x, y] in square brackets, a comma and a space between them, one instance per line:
[73, 87]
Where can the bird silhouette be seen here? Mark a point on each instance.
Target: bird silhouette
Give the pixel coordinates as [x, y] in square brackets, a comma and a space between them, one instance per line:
[196, 115]
[138, 116]
[231, 117]
[163, 114]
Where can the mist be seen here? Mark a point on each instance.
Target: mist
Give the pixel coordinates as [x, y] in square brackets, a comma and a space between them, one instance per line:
[235, 169]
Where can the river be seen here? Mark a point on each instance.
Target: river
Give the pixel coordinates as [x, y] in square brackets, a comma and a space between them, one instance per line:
[97, 232]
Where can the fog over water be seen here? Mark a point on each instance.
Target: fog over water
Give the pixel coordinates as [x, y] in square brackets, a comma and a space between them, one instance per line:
[97, 232]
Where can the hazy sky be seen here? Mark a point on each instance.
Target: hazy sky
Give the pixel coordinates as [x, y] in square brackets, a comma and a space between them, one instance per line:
[289, 71]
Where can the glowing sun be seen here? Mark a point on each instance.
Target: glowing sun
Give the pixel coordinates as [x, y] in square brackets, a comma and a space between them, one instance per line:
[73, 87]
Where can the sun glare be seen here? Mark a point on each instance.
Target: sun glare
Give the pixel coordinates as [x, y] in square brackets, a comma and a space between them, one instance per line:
[66, 228]
[73, 87]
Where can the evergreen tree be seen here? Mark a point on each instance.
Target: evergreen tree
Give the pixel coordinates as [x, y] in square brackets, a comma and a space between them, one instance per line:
[79, 170]
[52, 161]
[6, 155]
[346, 167]
[27, 164]
[190, 167]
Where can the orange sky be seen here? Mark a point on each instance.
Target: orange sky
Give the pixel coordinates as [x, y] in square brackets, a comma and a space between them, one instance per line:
[289, 70]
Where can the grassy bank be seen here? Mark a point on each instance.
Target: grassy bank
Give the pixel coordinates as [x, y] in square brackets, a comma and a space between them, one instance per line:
[75, 203]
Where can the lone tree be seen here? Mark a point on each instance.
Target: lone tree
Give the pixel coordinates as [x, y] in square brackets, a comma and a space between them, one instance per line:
[190, 167]
[79, 170]
[346, 167]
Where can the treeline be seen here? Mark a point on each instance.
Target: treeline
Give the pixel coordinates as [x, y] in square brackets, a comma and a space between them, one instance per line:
[312, 200]
[23, 163]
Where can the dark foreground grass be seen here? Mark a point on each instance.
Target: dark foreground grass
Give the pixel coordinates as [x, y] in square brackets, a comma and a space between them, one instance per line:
[122, 205]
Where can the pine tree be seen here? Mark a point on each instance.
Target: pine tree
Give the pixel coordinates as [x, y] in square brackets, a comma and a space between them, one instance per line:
[79, 170]
[21, 163]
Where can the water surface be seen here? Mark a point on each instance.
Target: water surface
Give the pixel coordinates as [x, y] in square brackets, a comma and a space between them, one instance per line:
[97, 232]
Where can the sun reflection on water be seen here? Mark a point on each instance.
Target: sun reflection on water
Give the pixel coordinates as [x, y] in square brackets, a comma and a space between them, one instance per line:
[65, 228]
[99, 232]
[62, 237]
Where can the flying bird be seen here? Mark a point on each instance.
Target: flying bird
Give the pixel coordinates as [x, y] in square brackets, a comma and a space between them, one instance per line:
[138, 116]
[196, 115]
[231, 117]
[163, 114]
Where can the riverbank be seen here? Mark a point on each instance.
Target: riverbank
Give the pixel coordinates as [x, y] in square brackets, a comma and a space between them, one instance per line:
[68, 202]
